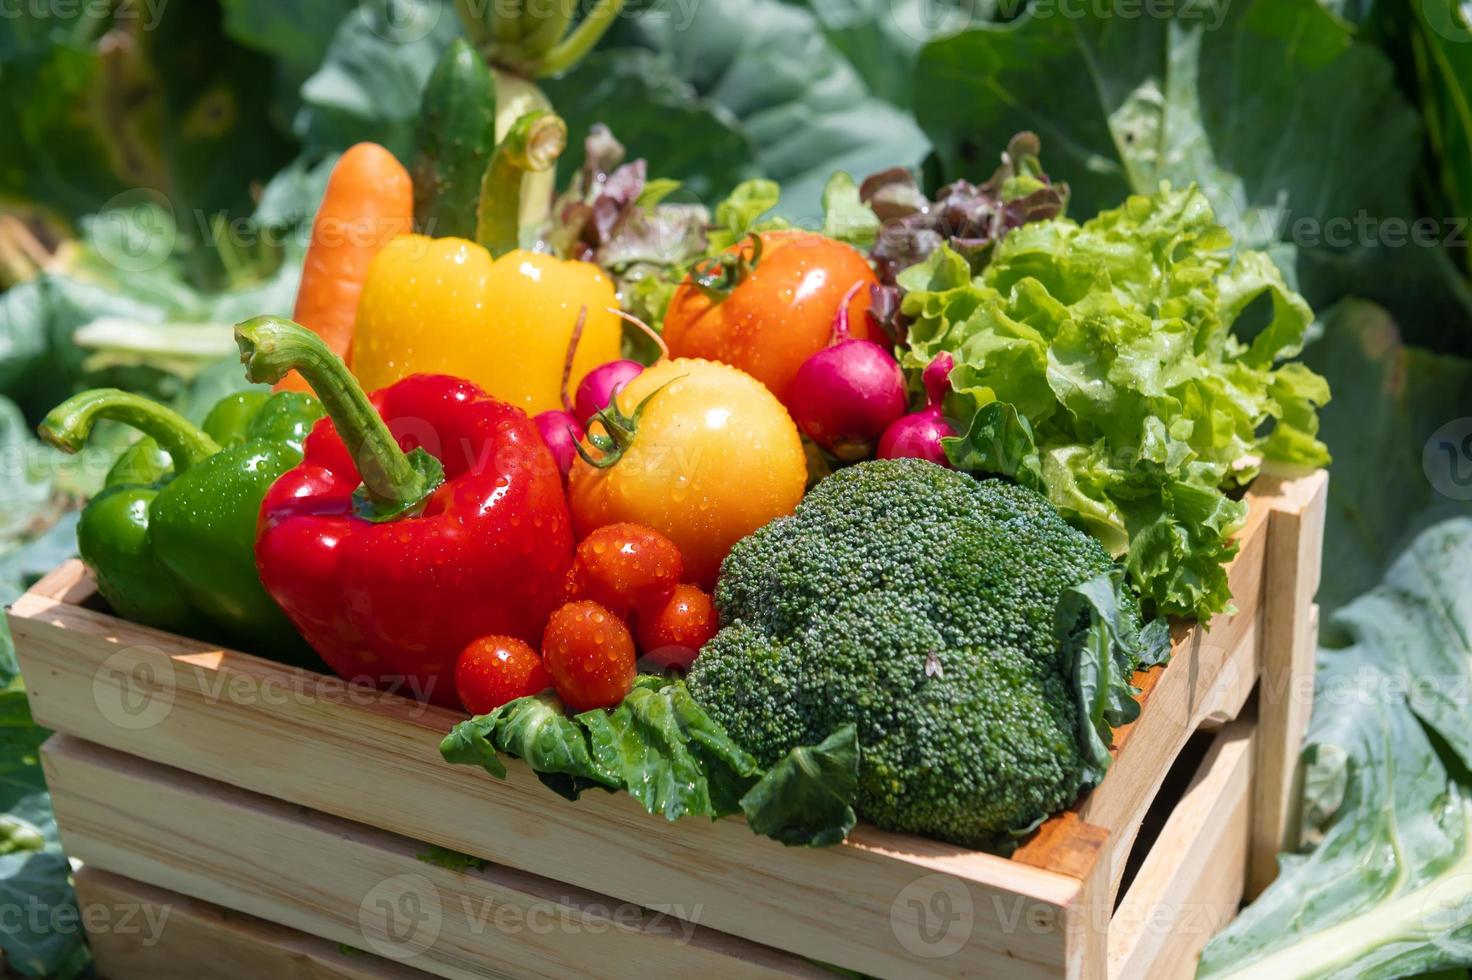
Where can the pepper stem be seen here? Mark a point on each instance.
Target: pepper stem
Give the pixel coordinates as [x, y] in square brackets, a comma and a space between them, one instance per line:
[68, 425]
[396, 482]
[533, 143]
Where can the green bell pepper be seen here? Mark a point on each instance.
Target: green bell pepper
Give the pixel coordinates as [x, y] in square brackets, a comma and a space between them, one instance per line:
[171, 537]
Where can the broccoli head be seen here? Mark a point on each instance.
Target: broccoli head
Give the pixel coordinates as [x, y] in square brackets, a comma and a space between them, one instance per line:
[942, 616]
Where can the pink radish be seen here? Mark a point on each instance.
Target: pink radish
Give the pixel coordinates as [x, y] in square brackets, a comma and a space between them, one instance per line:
[561, 432]
[919, 434]
[846, 395]
[599, 386]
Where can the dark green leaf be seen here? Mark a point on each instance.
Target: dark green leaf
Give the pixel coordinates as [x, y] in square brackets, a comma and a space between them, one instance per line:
[784, 88]
[806, 799]
[535, 729]
[1295, 133]
[371, 79]
[1394, 400]
[1102, 649]
[668, 754]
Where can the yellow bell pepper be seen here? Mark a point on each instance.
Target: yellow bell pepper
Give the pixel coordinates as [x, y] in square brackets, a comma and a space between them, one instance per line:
[444, 306]
[489, 312]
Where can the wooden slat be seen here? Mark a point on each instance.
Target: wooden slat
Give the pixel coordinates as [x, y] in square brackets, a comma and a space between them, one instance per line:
[317, 742]
[1289, 639]
[141, 932]
[1190, 884]
[1210, 673]
[366, 888]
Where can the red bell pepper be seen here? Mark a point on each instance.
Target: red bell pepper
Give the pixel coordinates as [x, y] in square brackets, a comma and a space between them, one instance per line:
[419, 520]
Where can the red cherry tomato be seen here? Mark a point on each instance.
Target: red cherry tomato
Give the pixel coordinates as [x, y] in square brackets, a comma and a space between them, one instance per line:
[672, 635]
[626, 567]
[590, 655]
[496, 669]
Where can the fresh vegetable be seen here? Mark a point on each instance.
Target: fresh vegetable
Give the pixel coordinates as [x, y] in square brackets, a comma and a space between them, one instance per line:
[671, 635]
[768, 303]
[981, 647]
[392, 554]
[454, 141]
[590, 655]
[845, 396]
[922, 434]
[625, 567]
[492, 313]
[496, 669]
[641, 231]
[657, 744]
[171, 536]
[561, 432]
[599, 385]
[369, 202]
[1096, 363]
[698, 451]
[525, 42]
[970, 219]
[662, 748]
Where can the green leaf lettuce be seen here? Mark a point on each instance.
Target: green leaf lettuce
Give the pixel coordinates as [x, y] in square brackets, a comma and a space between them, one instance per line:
[1132, 369]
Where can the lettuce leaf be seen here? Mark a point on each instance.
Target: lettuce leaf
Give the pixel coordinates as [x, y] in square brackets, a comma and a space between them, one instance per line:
[668, 754]
[806, 799]
[1102, 650]
[1132, 370]
[659, 746]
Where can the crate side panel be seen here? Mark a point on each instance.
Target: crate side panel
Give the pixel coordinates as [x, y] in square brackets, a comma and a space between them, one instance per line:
[142, 932]
[317, 742]
[366, 888]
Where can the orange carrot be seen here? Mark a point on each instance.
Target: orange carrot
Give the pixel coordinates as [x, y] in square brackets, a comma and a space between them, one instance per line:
[369, 201]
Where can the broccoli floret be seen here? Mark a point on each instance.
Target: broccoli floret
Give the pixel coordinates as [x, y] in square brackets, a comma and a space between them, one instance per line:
[918, 604]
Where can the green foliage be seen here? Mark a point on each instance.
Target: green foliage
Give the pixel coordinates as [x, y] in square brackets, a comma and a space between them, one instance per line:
[1387, 891]
[806, 798]
[921, 606]
[761, 70]
[1296, 133]
[1390, 401]
[657, 745]
[101, 98]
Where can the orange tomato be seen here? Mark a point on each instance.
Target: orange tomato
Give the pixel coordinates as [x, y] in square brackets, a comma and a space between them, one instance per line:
[714, 456]
[780, 314]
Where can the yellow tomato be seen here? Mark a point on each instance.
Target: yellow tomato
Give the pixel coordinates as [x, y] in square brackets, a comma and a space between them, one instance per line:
[713, 457]
[444, 306]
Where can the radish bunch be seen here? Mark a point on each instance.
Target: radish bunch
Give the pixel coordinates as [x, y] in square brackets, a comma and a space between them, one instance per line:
[846, 395]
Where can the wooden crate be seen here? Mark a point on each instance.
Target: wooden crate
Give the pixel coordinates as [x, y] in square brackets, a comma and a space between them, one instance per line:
[884, 904]
[143, 932]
